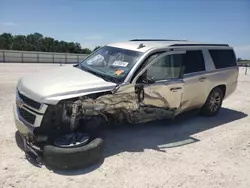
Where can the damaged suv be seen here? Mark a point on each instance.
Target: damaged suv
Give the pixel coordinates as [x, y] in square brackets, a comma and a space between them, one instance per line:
[58, 111]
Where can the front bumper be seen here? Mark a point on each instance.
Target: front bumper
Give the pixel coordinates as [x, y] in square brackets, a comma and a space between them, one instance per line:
[25, 131]
[23, 127]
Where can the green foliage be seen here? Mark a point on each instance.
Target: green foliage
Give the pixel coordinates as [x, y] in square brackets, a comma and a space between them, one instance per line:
[37, 42]
[243, 62]
[86, 51]
[96, 48]
[6, 41]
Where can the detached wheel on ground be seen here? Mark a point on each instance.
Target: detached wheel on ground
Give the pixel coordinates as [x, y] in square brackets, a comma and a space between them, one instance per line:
[213, 103]
[73, 151]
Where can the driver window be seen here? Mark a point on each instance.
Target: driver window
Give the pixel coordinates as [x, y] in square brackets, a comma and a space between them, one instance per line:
[166, 67]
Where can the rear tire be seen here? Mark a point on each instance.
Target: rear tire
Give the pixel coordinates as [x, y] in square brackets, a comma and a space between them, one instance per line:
[213, 103]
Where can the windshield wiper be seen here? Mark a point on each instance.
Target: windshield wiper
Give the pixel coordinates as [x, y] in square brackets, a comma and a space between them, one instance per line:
[88, 70]
[109, 79]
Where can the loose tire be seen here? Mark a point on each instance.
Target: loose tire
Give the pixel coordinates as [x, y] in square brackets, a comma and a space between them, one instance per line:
[75, 157]
[213, 103]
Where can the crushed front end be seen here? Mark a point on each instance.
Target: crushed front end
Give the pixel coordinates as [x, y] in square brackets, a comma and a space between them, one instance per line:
[28, 115]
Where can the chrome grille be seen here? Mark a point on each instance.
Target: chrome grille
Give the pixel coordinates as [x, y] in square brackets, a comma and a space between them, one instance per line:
[29, 102]
[28, 117]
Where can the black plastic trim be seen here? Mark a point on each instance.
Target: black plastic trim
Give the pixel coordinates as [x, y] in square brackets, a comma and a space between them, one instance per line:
[224, 45]
[155, 40]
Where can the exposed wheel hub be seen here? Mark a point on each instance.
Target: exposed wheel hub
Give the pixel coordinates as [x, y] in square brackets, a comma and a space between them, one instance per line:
[72, 140]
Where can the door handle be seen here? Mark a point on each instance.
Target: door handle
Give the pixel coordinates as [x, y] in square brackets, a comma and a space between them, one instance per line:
[202, 79]
[175, 89]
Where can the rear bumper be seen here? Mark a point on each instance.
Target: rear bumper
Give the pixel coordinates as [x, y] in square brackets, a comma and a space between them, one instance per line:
[231, 88]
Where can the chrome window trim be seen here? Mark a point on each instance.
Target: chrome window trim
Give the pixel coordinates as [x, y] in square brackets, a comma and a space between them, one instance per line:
[193, 74]
[222, 69]
[170, 81]
[208, 72]
[174, 48]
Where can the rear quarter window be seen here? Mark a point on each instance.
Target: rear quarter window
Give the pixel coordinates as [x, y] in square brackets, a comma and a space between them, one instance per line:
[223, 58]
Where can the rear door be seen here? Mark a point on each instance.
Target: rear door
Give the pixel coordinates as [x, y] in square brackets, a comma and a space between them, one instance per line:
[195, 88]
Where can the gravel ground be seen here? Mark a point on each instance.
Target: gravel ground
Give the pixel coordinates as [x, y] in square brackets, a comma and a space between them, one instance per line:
[190, 152]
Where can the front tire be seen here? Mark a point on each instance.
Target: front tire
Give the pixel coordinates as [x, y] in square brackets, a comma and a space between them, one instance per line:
[213, 103]
[61, 158]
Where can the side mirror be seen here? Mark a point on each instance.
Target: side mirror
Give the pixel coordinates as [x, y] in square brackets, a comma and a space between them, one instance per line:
[147, 80]
[150, 80]
[144, 79]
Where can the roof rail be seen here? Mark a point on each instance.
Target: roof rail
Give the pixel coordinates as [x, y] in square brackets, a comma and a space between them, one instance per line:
[155, 40]
[200, 45]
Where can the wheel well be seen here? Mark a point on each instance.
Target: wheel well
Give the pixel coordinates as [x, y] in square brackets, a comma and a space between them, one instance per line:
[223, 89]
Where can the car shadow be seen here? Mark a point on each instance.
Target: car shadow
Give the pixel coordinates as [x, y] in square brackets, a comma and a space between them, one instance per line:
[78, 171]
[160, 135]
[157, 135]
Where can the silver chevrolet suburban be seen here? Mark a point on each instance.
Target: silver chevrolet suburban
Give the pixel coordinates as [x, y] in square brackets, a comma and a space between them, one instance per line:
[134, 81]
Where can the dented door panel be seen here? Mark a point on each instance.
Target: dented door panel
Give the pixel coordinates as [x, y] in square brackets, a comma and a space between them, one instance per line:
[164, 94]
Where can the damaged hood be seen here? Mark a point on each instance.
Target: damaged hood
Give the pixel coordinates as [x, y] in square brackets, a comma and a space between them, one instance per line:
[61, 83]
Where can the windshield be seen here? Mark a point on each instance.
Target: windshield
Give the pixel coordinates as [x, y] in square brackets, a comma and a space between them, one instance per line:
[111, 63]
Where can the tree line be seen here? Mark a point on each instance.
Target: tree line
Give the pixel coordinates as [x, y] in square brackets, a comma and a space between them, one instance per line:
[38, 42]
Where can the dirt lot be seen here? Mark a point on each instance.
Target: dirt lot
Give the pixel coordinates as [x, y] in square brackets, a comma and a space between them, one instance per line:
[190, 152]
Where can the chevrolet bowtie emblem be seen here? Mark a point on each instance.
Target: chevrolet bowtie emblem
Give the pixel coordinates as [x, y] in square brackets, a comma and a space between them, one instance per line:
[19, 103]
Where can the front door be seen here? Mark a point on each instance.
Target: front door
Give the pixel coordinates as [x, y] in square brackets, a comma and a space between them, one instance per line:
[160, 85]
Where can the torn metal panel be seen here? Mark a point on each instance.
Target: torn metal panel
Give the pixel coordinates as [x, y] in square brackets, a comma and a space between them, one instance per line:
[132, 102]
[124, 98]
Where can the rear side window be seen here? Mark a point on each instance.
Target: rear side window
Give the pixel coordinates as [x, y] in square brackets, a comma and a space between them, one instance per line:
[194, 62]
[223, 58]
